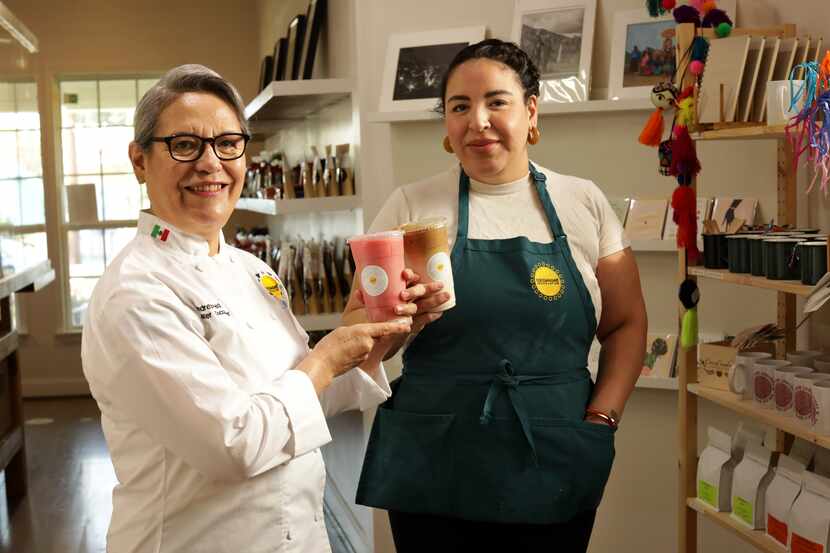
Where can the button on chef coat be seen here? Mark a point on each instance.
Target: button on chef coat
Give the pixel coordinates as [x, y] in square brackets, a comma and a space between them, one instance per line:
[214, 435]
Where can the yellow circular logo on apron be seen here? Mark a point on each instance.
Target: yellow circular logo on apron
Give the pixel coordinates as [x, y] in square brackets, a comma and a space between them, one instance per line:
[547, 282]
[272, 285]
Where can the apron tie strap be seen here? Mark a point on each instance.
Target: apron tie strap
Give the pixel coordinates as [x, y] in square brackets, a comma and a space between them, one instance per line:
[507, 380]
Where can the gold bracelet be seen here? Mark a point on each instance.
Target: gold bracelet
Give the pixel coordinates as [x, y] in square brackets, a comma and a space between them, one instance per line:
[608, 419]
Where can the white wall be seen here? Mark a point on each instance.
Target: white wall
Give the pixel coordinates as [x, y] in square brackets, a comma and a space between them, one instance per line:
[639, 511]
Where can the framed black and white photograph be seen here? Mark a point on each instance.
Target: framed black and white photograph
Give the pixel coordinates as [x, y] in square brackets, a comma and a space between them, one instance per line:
[315, 23]
[558, 35]
[295, 37]
[415, 63]
[266, 69]
[280, 54]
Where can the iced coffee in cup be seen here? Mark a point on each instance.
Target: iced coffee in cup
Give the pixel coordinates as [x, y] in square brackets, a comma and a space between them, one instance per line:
[379, 263]
[427, 252]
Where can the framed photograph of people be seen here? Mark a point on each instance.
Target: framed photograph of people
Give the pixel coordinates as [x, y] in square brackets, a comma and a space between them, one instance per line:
[415, 63]
[295, 38]
[558, 35]
[643, 51]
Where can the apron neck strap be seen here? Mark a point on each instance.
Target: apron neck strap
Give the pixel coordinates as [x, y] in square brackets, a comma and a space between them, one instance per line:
[539, 180]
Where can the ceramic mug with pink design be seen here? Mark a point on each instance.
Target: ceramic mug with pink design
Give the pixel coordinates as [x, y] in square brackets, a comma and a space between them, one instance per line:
[805, 402]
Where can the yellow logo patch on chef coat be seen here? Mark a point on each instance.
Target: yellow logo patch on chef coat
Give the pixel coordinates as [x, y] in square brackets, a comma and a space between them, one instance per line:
[547, 282]
[274, 287]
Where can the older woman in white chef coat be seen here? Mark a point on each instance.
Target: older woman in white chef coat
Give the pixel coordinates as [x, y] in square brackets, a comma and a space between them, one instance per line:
[213, 406]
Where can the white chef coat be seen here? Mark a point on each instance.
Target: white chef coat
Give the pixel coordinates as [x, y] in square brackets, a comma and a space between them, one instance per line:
[214, 436]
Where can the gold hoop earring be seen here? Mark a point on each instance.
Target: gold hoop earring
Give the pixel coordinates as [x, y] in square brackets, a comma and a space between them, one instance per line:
[448, 146]
[533, 135]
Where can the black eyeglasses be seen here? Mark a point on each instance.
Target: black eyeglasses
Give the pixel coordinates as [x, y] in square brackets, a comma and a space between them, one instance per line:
[190, 147]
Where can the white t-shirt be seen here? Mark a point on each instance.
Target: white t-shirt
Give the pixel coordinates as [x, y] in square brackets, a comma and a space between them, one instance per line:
[513, 209]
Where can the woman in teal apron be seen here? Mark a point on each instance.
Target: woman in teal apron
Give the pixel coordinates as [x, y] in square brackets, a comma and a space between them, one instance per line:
[495, 435]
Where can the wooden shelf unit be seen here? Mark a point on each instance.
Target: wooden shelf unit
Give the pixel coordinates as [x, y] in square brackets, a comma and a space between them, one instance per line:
[12, 443]
[758, 538]
[785, 286]
[769, 417]
[689, 507]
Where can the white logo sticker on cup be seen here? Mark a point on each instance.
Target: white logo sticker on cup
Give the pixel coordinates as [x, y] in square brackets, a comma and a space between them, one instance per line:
[374, 280]
[439, 267]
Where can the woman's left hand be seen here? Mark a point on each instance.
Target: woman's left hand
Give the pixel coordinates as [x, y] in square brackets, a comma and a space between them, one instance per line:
[420, 300]
[417, 300]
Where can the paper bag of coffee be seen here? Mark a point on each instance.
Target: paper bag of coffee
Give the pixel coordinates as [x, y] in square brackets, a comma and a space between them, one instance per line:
[749, 485]
[810, 516]
[714, 475]
[781, 494]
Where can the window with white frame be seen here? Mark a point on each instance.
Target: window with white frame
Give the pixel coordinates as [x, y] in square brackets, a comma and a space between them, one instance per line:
[22, 220]
[101, 196]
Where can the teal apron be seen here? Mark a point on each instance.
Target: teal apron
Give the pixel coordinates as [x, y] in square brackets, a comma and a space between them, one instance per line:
[486, 421]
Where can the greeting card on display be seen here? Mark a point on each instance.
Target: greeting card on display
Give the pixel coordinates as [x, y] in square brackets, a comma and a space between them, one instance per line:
[659, 355]
[646, 219]
[728, 210]
[620, 207]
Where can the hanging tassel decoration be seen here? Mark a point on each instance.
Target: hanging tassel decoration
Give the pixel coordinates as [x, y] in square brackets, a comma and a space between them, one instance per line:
[684, 162]
[686, 14]
[689, 296]
[663, 96]
[652, 133]
[700, 49]
[655, 8]
[686, 112]
[684, 214]
[715, 17]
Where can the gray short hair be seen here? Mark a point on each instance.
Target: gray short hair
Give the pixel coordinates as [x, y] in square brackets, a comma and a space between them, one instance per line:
[174, 83]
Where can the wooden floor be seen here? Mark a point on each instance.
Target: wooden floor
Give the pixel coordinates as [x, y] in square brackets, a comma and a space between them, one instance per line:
[68, 507]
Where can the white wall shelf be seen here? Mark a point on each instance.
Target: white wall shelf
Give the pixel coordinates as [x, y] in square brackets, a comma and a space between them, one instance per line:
[299, 205]
[296, 100]
[545, 109]
[654, 246]
[657, 383]
[326, 321]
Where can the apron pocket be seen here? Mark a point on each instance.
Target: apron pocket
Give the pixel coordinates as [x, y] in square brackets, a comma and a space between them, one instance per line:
[495, 478]
[407, 465]
[593, 447]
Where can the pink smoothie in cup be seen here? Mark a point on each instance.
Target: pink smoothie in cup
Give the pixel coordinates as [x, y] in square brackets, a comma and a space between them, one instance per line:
[379, 262]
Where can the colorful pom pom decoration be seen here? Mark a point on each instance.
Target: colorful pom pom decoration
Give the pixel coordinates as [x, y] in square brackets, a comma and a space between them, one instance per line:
[669, 5]
[696, 68]
[707, 7]
[686, 14]
[723, 30]
[714, 18]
